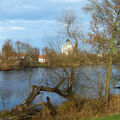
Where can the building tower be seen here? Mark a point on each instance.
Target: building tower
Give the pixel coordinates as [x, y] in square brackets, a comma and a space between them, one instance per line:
[67, 47]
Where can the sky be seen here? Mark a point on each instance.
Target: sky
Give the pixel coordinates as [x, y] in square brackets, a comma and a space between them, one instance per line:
[35, 21]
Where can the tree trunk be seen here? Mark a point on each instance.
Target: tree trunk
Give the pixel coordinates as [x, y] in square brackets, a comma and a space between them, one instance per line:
[107, 82]
[70, 82]
[109, 69]
[27, 102]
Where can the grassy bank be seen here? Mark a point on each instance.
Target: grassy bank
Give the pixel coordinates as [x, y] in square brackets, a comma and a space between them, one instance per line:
[114, 117]
[74, 109]
[21, 67]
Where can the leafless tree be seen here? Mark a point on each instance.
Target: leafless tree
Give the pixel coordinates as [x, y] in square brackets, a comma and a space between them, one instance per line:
[105, 35]
[7, 53]
[64, 78]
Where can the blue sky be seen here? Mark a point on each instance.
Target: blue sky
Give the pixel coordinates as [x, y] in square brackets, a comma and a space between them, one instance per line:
[34, 21]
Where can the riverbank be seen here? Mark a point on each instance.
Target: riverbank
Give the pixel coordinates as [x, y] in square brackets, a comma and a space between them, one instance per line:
[47, 66]
[75, 109]
[40, 66]
[22, 68]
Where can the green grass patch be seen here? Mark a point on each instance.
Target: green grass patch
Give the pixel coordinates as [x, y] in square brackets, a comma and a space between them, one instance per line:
[42, 65]
[114, 117]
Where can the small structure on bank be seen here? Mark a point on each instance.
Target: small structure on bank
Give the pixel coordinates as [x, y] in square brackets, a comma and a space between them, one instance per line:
[41, 59]
[67, 47]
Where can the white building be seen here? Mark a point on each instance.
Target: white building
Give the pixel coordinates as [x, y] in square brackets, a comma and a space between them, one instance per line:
[41, 59]
[67, 47]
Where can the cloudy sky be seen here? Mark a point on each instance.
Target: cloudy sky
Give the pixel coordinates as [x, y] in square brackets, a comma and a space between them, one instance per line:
[34, 21]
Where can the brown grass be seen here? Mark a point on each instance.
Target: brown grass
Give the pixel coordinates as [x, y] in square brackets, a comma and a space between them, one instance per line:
[80, 109]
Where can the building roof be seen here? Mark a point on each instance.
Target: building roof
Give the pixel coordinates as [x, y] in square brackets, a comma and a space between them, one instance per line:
[41, 56]
[67, 40]
[21, 54]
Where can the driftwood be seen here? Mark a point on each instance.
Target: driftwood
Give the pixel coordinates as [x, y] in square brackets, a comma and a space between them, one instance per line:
[31, 111]
[27, 109]
[36, 91]
[27, 103]
[48, 89]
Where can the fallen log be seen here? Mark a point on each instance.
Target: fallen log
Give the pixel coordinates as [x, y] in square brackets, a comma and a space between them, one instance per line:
[31, 111]
[36, 91]
[48, 89]
[27, 109]
[27, 102]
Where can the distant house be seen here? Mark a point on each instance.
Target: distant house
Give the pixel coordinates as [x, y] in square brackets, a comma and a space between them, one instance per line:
[21, 55]
[41, 59]
[67, 47]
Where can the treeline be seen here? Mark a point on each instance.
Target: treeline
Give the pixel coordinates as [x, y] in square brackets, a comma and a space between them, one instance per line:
[18, 55]
[54, 59]
[21, 55]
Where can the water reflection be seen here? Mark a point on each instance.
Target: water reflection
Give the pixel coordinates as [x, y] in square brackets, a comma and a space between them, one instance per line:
[15, 85]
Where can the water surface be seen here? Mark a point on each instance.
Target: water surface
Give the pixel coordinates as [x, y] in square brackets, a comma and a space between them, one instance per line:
[16, 85]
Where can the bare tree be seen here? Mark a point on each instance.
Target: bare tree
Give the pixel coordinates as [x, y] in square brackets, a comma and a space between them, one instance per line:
[7, 53]
[105, 35]
[65, 78]
[31, 54]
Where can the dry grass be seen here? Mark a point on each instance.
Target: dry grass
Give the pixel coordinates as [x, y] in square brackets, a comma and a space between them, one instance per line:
[83, 109]
[80, 109]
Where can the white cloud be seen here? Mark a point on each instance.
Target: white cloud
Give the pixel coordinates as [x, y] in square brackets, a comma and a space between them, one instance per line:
[16, 28]
[8, 28]
[31, 21]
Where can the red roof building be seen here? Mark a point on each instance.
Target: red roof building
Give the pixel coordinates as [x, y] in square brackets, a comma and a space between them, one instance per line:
[41, 59]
